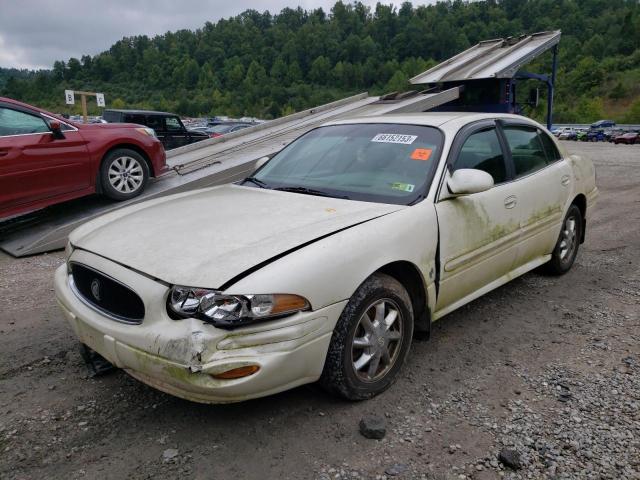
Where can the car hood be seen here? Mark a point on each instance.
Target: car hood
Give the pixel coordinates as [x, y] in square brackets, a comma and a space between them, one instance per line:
[207, 237]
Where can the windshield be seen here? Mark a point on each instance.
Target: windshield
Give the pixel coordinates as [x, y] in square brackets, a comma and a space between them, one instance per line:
[384, 162]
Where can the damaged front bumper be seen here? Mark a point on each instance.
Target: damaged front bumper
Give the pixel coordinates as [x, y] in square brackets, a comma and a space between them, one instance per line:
[180, 356]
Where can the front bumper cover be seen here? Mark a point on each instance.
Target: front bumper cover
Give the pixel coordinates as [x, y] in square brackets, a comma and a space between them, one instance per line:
[179, 356]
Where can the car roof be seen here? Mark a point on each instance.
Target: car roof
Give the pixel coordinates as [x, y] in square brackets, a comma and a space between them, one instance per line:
[140, 112]
[431, 119]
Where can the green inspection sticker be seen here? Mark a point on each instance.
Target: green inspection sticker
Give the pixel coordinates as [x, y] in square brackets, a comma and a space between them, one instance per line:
[405, 187]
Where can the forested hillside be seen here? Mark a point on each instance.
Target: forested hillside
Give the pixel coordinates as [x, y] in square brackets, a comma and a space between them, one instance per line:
[267, 65]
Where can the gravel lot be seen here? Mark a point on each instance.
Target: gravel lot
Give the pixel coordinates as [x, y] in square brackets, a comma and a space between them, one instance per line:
[543, 373]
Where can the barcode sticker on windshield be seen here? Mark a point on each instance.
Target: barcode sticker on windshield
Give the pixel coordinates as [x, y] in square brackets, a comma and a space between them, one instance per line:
[394, 138]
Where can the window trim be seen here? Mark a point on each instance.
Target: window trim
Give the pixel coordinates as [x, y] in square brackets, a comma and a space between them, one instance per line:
[73, 129]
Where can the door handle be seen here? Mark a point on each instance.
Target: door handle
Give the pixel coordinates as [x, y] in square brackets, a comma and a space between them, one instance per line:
[565, 180]
[4, 153]
[510, 201]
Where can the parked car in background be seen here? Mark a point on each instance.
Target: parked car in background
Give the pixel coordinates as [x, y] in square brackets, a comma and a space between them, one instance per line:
[595, 136]
[45, 159]
[324, 262]
[603, 124]
[628, 138]
[561, 130]
[567, 134]
[217, 120]
[199, 129]
[611, 133]
[225, 128]
[168, 126]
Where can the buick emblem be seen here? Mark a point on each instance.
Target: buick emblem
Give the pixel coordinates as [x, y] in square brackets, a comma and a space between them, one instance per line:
[95, 289]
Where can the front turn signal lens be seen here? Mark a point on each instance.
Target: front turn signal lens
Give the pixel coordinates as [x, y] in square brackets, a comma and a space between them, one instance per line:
[285, 303]
[237, 372]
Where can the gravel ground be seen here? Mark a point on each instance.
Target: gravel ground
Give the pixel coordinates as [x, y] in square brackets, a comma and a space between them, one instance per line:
[538, 379]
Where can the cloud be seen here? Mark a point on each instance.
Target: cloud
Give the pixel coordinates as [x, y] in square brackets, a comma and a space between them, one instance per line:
[34, 34]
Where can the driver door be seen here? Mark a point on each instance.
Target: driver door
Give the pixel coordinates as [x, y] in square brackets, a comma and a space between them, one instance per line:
[479, 232]
[35, 166]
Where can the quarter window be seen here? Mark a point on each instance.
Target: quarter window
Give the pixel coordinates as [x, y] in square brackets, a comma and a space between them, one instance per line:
[482, 151]
[549, 147]
[526, 148]
[13, 122]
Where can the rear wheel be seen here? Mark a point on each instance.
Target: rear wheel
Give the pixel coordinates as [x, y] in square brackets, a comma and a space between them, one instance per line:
[568, 243]
[371, 341]
[124, 174]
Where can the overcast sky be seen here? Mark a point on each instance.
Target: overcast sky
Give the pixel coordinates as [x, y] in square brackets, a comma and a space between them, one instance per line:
[33, 34]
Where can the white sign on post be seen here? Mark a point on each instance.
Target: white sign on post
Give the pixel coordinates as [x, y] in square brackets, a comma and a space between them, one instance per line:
[100, 99]
[69, 98]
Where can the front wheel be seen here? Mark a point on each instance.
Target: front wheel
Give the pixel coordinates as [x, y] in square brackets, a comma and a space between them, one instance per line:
[124, 174]
[566, 250]
[371, 340]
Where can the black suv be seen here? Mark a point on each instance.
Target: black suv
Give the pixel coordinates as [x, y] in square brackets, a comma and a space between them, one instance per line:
[168, 126]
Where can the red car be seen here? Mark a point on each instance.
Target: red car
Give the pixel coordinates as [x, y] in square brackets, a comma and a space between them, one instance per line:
[45, 159]
[628, 138]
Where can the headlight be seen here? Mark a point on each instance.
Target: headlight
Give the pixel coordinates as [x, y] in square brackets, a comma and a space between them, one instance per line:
[147, 131]
[228, 311]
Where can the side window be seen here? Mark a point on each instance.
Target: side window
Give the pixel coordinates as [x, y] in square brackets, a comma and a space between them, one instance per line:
[154, 121]
[550, 148]
[139, 119]
[482, 151]
[173, 124]
[13, 122]
[526, 149]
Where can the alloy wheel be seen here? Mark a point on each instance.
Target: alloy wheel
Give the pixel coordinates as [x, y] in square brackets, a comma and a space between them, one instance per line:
[377, 340]
[568, 240]
[125, 174]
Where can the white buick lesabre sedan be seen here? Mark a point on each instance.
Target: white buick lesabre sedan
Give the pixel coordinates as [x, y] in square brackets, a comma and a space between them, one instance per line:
[325, 263]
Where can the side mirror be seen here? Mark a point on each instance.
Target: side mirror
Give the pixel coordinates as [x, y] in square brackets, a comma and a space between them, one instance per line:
[260, 162]
[466, 181]
[56, 129]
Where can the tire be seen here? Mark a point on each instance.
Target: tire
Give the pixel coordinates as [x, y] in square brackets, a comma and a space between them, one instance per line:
[377, 298]
[564, 255]
[123, 174]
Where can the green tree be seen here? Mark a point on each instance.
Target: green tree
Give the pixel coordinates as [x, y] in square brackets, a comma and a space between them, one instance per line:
[633, 114]
[320, 70]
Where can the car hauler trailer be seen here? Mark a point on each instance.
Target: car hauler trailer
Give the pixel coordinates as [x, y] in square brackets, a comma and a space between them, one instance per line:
[481, 78]
[490, 72]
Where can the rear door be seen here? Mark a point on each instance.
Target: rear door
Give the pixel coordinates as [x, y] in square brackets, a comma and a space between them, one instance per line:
[544, 183]
[33, 165]
[479, 232]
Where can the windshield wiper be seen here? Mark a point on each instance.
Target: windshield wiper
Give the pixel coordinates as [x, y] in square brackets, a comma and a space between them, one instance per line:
[255, 181]
[310, 191]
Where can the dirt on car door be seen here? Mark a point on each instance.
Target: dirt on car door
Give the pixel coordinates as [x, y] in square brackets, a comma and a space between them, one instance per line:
[544, 182]
[479, 233]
